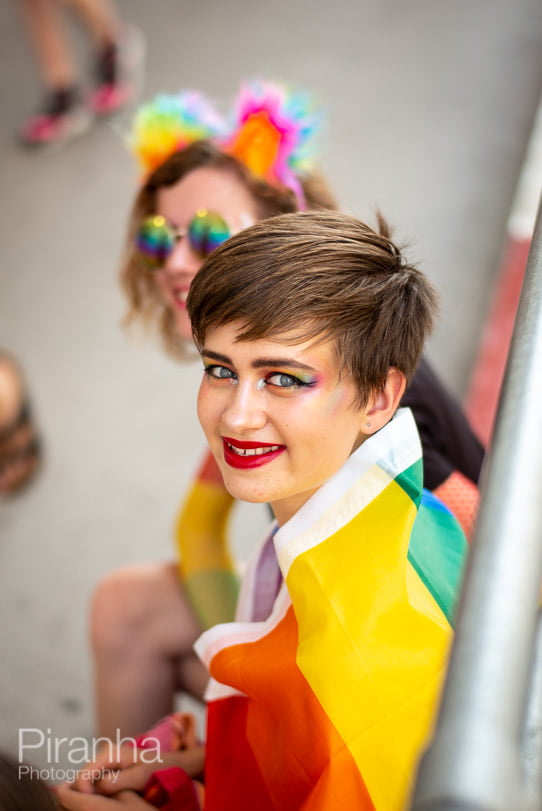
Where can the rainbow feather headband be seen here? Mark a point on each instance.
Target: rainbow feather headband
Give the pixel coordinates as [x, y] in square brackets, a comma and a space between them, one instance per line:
[271, 131]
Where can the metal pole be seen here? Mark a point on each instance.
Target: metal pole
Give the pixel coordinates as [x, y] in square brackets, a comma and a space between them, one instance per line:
[474, 761]
[532, 736]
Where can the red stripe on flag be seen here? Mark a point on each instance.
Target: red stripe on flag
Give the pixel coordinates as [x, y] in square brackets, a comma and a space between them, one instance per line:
[486, 381]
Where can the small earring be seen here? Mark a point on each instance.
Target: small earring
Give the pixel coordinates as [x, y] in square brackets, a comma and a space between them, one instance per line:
[368, 424]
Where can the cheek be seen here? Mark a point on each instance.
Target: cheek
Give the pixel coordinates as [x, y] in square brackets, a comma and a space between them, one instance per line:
[329, 406]
[208, 408]
[328, 419]
[322, 405]
[183, 325]
[340, 401]
[160, 283]
[338, 415]
[202, 407]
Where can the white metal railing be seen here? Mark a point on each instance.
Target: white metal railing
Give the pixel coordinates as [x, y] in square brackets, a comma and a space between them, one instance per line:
[486, 754]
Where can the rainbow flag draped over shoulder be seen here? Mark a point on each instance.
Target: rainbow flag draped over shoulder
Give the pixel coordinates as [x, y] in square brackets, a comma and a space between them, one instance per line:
[329, 702]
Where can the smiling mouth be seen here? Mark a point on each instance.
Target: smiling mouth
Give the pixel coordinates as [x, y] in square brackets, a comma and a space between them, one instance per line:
[253, 451]
[242, 454]
[180, 297]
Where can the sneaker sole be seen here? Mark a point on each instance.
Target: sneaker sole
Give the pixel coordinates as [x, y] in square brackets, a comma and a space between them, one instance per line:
[79, 124]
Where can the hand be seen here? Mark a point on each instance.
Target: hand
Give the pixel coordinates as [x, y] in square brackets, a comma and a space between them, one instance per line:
[71, 800]
[110, 761]
[130, 769]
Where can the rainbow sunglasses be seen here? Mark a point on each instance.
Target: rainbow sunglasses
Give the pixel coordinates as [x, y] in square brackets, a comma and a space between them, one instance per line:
[156, 237]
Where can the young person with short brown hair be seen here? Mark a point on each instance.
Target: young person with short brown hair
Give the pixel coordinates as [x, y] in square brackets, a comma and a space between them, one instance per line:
[146, 617]
[323, 690]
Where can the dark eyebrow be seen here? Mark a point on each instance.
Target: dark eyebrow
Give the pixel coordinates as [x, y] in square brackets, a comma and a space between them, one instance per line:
[260, 363]
[216, 356]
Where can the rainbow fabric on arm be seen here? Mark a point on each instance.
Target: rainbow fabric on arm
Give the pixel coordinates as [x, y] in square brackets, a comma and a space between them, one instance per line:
[271, 130]
[205, 565]
[333, 696]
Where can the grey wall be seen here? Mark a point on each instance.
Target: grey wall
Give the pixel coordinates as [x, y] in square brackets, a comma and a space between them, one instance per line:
[430, 106]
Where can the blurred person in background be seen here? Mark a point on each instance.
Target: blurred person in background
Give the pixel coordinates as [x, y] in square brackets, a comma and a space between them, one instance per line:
[67, 109]
[204, 180]
[20, 447]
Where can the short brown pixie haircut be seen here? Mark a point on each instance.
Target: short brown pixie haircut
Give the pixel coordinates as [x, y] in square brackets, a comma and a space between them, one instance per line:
[320, 275]
[144, 301]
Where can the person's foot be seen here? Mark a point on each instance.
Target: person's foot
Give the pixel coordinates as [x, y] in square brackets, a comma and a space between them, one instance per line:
[118, 71]
[20, 451]
[62, 117]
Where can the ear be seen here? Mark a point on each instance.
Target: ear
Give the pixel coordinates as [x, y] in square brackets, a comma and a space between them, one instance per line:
[382, 405]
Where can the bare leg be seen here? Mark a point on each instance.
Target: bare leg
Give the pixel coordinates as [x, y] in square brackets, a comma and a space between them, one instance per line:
[44, 25]
[100, 18]
[142, 631]
[118, 55]
[11, 392]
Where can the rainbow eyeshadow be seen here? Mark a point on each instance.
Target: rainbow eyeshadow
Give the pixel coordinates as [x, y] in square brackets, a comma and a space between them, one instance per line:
[307, 379]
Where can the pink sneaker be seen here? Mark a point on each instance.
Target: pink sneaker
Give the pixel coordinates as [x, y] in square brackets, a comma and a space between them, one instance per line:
[63, 117]
[118, 70]
[108, 98]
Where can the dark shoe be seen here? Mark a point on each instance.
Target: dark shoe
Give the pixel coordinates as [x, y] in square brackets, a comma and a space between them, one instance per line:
[63, 116]
[118, 70]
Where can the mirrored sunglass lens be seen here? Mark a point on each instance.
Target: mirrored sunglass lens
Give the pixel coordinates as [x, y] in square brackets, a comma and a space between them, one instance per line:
[207, 231]
[155, 241]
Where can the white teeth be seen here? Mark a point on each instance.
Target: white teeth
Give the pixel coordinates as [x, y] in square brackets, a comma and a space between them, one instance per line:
[253, 451]
[181, 295]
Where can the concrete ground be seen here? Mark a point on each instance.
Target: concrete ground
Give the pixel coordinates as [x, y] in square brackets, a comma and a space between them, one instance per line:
[429, 105]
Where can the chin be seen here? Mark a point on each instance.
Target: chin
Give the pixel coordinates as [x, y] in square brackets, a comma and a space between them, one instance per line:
[183, 326]
[242, 492]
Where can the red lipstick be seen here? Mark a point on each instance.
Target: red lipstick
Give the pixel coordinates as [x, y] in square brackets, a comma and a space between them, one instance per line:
[246, 455]
[179, 297]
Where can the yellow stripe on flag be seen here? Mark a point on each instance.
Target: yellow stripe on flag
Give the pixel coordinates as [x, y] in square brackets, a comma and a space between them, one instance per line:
[372, 642]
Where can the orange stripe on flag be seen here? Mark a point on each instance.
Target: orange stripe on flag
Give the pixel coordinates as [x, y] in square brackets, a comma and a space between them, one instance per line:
[300, 756]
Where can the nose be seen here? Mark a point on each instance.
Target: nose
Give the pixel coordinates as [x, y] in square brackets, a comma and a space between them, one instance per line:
[245, 409]
[183, 258]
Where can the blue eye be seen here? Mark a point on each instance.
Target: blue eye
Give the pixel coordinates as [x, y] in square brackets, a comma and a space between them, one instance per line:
[219, 372]
[284, 381]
